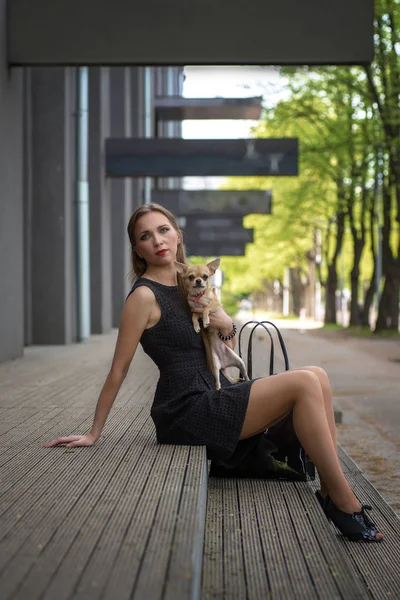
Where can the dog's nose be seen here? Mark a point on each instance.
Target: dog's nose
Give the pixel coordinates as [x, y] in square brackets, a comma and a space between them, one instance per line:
[198, 281]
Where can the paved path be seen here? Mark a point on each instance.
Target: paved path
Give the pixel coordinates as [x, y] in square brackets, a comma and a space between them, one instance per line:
[365, 377]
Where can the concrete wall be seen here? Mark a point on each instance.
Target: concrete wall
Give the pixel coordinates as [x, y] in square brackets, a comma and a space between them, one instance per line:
[11, 193]
[37, 198]
[99, 201]
[52, 148]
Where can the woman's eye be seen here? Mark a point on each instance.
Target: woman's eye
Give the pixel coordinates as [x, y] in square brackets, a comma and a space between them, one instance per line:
[164, 229]
[144, 236]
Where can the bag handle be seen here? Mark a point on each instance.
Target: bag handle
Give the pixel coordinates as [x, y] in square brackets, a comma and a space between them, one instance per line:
[272, 353]
[282, 344]
[249, 348]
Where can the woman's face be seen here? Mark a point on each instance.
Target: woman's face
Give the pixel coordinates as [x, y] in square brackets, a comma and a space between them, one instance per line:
[156, 239]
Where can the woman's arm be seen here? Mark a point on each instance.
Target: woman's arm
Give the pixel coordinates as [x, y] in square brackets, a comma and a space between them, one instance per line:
[218, 318]
[134, 319]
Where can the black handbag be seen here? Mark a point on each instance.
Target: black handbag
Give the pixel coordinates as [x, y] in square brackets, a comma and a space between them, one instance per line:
[276, 453]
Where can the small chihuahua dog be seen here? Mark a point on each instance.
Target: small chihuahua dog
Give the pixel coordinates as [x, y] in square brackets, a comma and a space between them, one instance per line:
[197, 283]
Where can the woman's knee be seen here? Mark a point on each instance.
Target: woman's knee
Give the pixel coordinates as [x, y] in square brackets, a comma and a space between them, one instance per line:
[322, 375]
[309, 385]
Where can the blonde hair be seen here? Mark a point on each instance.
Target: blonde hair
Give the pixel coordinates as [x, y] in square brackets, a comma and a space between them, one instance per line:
[139, 264]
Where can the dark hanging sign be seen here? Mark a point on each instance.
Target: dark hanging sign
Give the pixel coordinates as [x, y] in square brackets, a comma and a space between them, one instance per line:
[200, 229]
[142, 157]
[232, 202]
[215, 249]
[175, 108]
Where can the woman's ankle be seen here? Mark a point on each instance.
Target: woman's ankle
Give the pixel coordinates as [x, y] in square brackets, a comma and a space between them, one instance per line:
[348, 503]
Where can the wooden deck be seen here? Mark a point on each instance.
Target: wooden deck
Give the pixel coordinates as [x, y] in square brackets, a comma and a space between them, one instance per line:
[270, 539]
[123, 519]
[126, 518]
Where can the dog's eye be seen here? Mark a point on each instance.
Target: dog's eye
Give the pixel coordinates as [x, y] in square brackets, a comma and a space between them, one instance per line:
[205, 277]
[191, 277]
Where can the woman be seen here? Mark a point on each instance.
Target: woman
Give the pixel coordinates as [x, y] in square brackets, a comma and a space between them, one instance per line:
[187, 409]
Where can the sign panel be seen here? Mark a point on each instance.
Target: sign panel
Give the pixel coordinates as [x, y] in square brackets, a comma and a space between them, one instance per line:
[176, 108]
[214, 249]
[143, 157]
[199, 32]
[204, 234]
[232, 202]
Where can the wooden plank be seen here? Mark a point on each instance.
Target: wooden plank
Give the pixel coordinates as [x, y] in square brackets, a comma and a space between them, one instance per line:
[281, 586]
[38, 484]
[185, 566]
[295, 563]
[253, 558]
[126, 567]
[376, 565]
[331, 571]
[348, 465]
[234, 573]
[63, 525]
[287, 548]
[33, 506]
[213, 558]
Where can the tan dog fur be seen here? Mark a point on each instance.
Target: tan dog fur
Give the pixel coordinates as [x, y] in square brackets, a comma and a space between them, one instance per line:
[219, 355]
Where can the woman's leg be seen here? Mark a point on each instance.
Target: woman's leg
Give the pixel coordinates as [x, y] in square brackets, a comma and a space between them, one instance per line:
[328, 405]
[273, 397]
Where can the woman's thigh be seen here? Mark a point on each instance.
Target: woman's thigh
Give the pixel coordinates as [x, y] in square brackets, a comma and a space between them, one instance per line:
[271, 398]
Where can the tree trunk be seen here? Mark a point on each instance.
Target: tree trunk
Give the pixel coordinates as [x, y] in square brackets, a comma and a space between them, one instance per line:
[368, 300]
[355, 317]
[332, 279]
[388, 315]
[330, 295]
[297, 290]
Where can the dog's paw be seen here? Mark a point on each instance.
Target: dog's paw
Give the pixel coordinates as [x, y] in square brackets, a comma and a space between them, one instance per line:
[206, 323]
[197, 328]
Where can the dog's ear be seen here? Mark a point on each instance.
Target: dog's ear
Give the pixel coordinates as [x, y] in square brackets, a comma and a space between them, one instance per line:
[213, 265]
[181, 268]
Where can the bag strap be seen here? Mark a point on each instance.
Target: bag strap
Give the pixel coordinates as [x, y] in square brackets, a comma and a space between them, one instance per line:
[250, 346]
[282, 344]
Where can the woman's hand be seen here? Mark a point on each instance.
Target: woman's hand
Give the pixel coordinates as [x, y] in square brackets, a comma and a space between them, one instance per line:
[72, 441]
[218, 317]
[200, 304]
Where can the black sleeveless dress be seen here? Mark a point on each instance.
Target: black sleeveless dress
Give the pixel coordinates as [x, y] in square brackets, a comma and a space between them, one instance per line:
[187, 409]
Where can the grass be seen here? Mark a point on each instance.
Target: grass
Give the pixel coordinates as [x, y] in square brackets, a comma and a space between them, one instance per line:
[359, 331]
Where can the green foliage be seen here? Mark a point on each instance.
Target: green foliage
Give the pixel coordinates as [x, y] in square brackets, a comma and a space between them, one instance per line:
[343, 117]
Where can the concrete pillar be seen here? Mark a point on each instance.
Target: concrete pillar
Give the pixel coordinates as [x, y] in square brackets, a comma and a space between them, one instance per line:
[120, 191]
[99, 201]
[137, 126]
[27, 204]
[52, 216]
[11, 207]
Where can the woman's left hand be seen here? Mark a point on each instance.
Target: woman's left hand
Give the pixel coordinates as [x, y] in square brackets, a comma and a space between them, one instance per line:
[218, 317]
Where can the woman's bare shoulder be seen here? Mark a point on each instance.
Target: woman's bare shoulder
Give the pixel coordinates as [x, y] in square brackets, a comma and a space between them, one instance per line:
[141, 292]
[141, 297]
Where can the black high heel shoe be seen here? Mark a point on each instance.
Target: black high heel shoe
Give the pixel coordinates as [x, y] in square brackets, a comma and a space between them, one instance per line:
[356, 526]
[321, 499]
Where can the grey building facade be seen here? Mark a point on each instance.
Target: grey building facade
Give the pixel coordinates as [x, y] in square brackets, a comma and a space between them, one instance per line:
[38, 269]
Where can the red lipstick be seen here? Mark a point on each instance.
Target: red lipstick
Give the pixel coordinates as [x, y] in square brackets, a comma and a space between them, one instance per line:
[161, 252]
